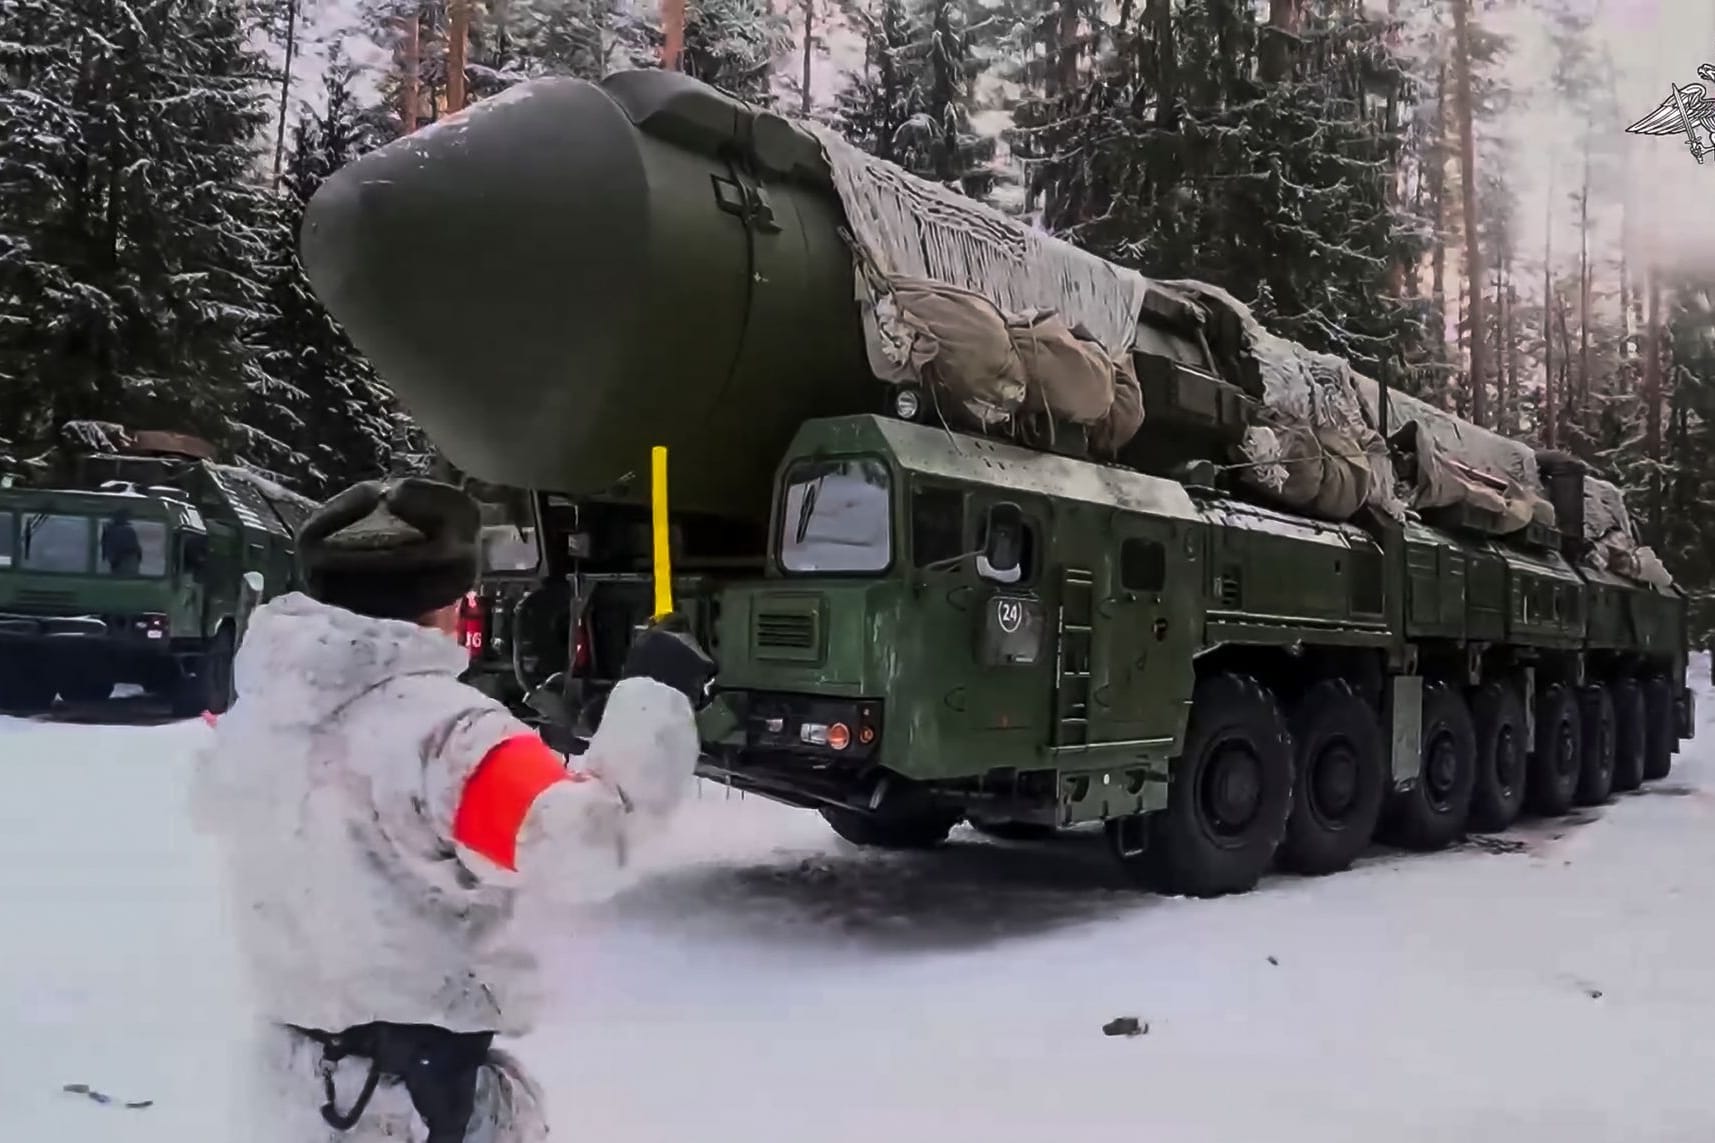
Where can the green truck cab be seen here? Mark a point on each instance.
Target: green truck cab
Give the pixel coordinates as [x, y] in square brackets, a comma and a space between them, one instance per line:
[920, 624]
[137, 567]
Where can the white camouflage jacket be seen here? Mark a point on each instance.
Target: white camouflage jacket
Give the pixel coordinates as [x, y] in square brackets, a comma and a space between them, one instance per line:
[332, 784]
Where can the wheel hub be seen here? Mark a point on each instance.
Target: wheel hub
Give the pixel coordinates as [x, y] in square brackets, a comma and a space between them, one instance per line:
[1334, 782]
[1508, 763]
[1232, 790]
[1565, 753]
[1441, 769]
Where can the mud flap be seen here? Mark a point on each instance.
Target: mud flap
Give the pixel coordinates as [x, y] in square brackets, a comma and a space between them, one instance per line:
[1405, 711]
[1686, 715]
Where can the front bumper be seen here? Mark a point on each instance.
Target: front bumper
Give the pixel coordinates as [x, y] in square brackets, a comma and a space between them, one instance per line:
[70, 632]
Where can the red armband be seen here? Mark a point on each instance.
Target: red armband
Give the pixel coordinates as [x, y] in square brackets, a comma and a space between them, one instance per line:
[499, 793]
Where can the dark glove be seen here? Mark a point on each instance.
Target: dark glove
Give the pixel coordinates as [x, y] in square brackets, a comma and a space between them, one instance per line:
[667, 652]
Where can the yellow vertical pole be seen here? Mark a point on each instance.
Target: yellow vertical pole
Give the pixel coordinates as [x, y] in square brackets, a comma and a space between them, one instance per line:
[663, 554]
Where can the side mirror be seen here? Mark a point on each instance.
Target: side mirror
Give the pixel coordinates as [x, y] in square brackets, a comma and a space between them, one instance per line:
[1003, 542]
[254, 584]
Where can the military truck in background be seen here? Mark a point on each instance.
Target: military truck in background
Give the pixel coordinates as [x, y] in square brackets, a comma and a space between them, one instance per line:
[979, 527]
[134, 557]
[510, 565]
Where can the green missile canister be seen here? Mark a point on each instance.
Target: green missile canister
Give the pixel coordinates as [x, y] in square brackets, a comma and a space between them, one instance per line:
[564, 275]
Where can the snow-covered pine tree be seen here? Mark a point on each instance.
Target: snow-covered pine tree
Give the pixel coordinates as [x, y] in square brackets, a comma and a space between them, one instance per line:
[133, 213]
[877, 100]
[913, 99]
[1044, 50]
[324, 419]
[519, 38]
[1189, 150]
[1688, 535]
[734, 45]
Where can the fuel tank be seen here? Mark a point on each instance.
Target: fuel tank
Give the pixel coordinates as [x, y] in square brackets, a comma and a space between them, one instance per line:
[565, 274]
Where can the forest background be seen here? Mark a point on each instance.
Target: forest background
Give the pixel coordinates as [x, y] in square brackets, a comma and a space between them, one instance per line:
[1441, 191]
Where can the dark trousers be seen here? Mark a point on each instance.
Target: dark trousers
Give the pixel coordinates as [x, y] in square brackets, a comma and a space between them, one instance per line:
[438, 1068]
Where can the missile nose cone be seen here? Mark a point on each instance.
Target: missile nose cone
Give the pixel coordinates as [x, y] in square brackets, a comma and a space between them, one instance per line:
[481, 262]
[566, 274]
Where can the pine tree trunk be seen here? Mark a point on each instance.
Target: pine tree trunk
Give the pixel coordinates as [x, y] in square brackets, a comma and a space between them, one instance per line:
[1436, 156]
[1512, 352]
[409, 108]
[943, 87]
[458, 40]
[1158, 14]
[1468, 194]
[1396, 276]
[804, 100]
[1284, 19]
[1066, 58]
[1498, 340]
[1581, 415]
[672, 33]
[1625, 303]
[1550, 419]
[1562, 430]
[1652, 397]
[285, 88]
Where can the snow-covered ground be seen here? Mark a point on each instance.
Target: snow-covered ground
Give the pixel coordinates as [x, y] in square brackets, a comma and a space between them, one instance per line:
[772, 984]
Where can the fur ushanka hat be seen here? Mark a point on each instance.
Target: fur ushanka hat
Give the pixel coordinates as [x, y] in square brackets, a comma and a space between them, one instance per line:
[391, 549]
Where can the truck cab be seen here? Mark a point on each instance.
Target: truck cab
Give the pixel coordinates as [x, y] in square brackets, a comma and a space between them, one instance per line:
[136, 569]
[930, 626]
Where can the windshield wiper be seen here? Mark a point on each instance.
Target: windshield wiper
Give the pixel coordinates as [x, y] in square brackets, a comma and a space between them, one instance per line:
[808, 509]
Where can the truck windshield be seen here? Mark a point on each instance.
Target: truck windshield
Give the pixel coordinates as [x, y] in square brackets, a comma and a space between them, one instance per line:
[509, 548]
[75, 544]
[53, 542]
[132, 547]
[836, 517]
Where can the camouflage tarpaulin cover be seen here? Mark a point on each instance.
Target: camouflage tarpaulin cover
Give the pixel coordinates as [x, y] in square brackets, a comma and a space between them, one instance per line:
[906, 226]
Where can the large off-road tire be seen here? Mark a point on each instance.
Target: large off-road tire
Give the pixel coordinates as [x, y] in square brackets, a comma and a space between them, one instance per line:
[920, 829]
[1660, 740]
[1339, 780]
[24, 691]
[1631, 742]
[1497, 795]
[1434, 812]
[210, 687]
[1230, 794]
[1010, 830]
[1559, 754]
[1596, 772]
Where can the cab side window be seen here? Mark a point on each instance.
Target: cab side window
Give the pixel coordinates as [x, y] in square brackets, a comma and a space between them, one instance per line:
[937, 524]
[1143, 565]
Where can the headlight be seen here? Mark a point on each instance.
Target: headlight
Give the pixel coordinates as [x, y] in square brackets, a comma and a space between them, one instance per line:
[835, 736]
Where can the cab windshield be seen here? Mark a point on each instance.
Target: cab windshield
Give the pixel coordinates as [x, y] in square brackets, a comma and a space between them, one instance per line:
[836, 517]
[75, 543]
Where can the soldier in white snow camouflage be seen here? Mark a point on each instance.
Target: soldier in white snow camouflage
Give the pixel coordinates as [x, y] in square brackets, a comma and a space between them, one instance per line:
[379, 819]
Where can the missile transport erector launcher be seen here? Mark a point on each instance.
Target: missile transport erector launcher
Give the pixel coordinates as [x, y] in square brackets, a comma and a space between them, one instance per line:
[950, 569]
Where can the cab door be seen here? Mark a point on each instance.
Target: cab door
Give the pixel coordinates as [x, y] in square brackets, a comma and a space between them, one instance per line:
[981, 635]
[1142, 630]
